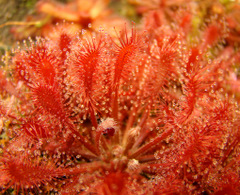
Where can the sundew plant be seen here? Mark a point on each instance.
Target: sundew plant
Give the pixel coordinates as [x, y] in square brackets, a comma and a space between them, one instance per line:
[144, 109]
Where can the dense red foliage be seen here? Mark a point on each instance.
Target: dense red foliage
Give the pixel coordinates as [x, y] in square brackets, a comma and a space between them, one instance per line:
[145, 112]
